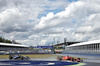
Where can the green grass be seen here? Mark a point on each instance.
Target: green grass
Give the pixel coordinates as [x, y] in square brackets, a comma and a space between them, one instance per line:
[4, 56]
[33, 55]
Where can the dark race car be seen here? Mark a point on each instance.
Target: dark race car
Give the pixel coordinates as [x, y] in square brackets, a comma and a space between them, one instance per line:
[62, 58]
[18, 57]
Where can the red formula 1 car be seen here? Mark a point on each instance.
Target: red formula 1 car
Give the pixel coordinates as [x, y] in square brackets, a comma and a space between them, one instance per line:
[60, 58]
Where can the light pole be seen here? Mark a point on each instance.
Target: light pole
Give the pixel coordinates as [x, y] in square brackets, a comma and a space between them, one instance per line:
[65, 39]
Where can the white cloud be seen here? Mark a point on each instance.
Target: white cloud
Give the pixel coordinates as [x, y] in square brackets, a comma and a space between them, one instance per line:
[71, 9]
[65, 16]
[8, 14]
[19, 20]
[42, 23]
[42, 42]
[84, 11]
[91, 17]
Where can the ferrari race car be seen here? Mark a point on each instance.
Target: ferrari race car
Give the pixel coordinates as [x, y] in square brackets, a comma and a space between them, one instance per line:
[18, 57]
[61, 58]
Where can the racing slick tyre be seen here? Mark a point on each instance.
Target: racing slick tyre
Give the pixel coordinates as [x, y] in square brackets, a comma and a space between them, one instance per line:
[72, 59]
[79, 60]
[10, 57]
[59, 58]
[22, 58]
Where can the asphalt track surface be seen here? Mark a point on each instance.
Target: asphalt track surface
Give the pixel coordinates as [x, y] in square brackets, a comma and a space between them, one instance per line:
[89, 61]
[35, 63]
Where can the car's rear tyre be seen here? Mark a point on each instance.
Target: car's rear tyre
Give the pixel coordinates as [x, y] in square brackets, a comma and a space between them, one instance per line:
[22, 58]
[10, 57]
[59, 58]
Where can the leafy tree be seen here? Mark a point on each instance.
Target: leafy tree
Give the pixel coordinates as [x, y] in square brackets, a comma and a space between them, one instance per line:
[3, 40]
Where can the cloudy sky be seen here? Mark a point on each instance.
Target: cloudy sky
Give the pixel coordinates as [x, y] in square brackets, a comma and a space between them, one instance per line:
[39, 22]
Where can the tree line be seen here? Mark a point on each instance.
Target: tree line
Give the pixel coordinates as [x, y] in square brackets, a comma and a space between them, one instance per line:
[3, 40]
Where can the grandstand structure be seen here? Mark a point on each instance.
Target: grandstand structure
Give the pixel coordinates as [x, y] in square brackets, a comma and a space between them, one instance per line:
[12, 47]
[91, 47]
[59, 48]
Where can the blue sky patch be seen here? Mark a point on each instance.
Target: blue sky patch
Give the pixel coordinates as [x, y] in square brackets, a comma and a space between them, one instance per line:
[74, 20]
[31, 20]
[55, 10]
[72, 0]
[41, 15]
[47, 11]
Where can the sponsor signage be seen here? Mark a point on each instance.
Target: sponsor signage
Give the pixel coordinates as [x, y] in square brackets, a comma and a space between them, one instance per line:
[44, 46]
